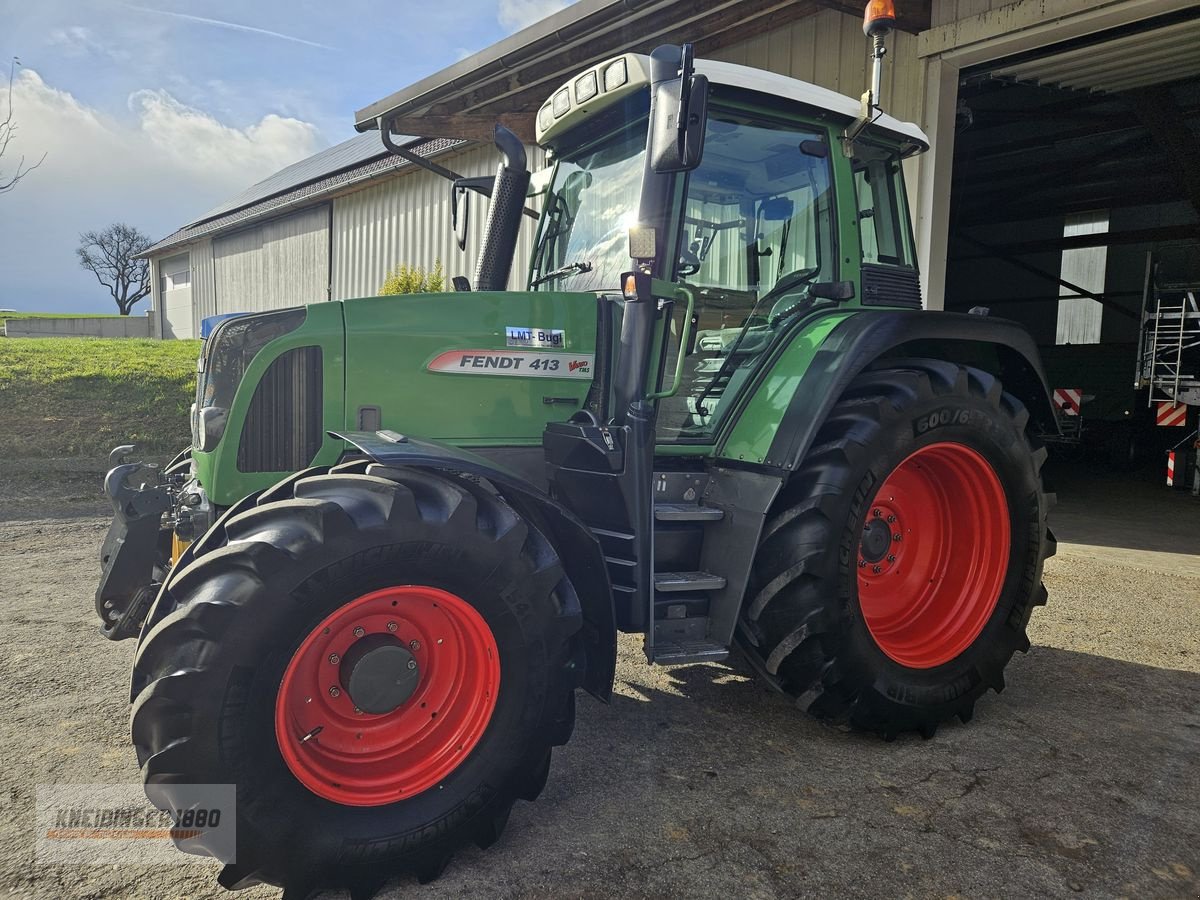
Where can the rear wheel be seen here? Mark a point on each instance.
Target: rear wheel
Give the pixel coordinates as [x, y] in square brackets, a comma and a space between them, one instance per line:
[381, 660]
[897, 574]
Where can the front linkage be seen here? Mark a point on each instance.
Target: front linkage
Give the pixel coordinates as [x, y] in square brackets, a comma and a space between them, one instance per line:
[136, 552]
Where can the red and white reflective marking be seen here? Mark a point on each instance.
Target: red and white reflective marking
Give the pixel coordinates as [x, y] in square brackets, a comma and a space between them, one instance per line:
[1170, 468]
[1171, 414]
[519, 363]
[1067, 400]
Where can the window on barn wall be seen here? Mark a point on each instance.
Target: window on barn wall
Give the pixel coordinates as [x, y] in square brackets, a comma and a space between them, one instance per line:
[174, 273]
[1079, 318]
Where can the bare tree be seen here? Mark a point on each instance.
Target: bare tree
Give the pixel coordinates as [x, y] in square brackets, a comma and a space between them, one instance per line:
[110, 255]
[8, 128]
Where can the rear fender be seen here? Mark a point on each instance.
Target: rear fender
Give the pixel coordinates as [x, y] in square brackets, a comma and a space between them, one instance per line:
[575, 544]
[999, 346]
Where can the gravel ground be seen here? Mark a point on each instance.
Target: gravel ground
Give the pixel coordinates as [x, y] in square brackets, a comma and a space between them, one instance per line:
[1081, 778]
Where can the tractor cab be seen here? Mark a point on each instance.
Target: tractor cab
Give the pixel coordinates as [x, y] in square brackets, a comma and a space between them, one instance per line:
[754, 231]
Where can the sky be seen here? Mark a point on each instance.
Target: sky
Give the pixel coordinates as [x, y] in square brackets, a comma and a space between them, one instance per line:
[154, 113]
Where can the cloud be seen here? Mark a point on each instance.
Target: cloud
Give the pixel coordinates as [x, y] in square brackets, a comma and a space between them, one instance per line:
[517, 14]
[158, 168]
[78, 41]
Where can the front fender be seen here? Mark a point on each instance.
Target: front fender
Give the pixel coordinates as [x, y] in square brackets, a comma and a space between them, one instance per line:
[577, 547]
[1003, 347]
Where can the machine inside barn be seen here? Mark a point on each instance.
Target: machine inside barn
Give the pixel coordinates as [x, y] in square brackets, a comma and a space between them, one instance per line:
[408, 531]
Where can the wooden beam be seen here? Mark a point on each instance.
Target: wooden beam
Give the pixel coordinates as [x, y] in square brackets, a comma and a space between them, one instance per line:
[468, 126]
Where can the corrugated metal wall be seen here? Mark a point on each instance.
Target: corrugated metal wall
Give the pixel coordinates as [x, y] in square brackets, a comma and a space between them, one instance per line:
[829, 49]
[204, 297]
[283, 262]
[406, 220]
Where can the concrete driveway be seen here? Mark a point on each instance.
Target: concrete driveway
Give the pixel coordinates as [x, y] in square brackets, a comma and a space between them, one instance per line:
[1082, 777]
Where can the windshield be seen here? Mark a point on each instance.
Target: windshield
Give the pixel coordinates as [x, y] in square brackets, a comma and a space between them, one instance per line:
[592, 202]
[757, 234]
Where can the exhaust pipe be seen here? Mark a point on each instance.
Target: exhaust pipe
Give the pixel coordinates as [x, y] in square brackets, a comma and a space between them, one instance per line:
[504, 215]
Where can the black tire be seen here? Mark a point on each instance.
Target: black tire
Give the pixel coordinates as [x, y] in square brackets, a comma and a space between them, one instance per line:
[207, 672]
[803, 627]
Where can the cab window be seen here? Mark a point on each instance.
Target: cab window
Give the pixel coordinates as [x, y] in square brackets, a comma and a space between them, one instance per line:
[883, 221]
[756, 234]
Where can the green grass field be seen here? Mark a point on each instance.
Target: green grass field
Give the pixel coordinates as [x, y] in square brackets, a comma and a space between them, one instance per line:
[80, 397]
[40, 315]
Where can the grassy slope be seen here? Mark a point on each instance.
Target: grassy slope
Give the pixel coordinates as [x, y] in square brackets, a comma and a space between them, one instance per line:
[83, 396]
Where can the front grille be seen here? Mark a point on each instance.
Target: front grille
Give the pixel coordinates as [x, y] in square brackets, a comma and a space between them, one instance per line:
[284, 428]
[891, 286]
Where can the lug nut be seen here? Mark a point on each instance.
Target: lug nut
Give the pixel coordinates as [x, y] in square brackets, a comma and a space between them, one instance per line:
[862, 563]
[897, 537]
[414, 645]
[891, 518]
[357, 711]
[335, 691]
[334, 659]
[891, 558]
[876, 569]
[358, 631]
[392, 626]
[876, 513]
[412, 663]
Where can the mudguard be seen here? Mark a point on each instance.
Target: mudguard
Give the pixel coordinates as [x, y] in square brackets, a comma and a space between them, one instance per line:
[577, 547]
[862, 339]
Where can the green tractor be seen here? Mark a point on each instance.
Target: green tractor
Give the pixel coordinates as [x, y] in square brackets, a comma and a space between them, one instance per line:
[409, 529]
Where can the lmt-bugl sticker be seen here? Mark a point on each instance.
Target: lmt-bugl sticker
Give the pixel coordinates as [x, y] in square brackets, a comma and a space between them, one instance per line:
[521, 363]
[549, 338]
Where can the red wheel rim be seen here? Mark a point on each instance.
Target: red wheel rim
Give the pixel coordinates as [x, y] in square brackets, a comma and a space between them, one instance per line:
[364, 759]
[933, 553]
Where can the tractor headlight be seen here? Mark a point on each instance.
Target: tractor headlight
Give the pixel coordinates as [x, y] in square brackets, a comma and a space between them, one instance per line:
[210, 427]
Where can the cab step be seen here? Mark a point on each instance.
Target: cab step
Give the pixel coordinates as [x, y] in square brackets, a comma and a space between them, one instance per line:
[668, 582]
[687, 512]
[674, 653]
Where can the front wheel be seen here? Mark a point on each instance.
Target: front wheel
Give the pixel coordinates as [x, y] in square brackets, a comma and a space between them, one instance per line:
[379, 659]
[897, 574]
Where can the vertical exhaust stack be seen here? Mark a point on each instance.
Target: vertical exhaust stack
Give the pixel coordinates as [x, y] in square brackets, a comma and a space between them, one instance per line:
[504, 214]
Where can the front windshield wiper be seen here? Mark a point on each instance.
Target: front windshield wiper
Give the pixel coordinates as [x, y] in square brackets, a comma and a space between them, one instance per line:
[574, 268]
[782, 286]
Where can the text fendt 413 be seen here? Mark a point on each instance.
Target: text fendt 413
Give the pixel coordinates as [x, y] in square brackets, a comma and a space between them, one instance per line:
[409, 529]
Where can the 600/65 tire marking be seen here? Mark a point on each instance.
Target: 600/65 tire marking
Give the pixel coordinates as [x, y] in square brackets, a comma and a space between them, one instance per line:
[521, 363]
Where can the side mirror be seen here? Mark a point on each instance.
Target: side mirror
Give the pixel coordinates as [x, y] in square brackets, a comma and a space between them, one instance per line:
[460, 213]
[678, 110]
[460, 204]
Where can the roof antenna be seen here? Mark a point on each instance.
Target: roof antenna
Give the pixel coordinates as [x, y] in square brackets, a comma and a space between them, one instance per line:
[878, 21]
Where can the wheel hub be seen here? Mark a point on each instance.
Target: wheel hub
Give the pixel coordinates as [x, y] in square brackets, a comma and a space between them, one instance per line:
[379, 673]
[876, 539]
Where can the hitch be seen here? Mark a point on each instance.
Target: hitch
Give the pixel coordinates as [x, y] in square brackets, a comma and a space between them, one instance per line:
[130, 550]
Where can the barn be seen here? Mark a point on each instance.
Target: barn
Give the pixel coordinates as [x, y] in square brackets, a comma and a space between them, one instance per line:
[1062, 188]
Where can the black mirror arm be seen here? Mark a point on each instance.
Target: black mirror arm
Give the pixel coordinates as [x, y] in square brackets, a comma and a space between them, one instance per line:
[385, 132]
